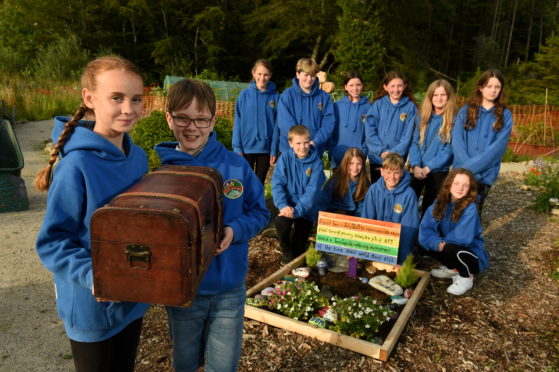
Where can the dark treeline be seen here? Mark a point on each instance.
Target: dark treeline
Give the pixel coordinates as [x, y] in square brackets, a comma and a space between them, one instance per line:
[221, 39]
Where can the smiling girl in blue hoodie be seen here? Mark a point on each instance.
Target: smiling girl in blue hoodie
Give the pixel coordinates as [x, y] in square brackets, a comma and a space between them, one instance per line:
[212, 328]
[481, 132]
[451, 232]
[96, 165]
[430, 151]
[350, 112]
[306, 104]
[255, 120]
[390, 121]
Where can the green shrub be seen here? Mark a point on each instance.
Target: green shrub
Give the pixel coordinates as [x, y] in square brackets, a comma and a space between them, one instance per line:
[61, 60]
[150, 131]
[224, 131]
[509, 156]
[312, 256]
[546, 175]
[406, 276]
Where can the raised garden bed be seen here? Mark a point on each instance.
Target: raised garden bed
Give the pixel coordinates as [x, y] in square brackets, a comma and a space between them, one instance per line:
[377, 351]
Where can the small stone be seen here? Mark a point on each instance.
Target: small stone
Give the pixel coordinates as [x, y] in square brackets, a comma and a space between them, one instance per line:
[370, 268]
[363, 280]
[386, 285]
[279, 283]
[317, 322]
[259, 297]
[322, 266]
[289, 278]
[267, 291]
[301, 272]
[399, 300]
[408, 293]
[393, 307]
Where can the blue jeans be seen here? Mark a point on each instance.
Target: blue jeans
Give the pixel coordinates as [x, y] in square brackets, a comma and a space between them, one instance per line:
[211, 329]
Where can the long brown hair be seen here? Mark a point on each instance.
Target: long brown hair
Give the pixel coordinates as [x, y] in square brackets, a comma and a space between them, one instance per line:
[88, 81]
[477, 98]
[448, 112]
[381, 92]
[444, 197]
[341, 176]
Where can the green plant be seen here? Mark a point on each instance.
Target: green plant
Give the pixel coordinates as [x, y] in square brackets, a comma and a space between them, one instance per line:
[297, 300]
[546, 175]
[224, 131]
[359, 317]
[509, 156]
[150, 131]
[407, 276]
[268, 191]
[312, 256]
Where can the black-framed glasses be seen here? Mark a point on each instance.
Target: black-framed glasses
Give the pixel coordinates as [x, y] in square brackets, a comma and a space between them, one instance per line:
[184, 121]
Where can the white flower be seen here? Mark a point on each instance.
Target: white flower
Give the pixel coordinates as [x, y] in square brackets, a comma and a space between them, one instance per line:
[367, 326]
[309, 292]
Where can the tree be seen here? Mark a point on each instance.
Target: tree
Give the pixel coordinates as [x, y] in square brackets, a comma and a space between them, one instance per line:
[360, 40]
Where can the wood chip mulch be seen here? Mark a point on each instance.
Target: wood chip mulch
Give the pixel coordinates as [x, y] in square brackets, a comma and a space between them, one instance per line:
[509, 321]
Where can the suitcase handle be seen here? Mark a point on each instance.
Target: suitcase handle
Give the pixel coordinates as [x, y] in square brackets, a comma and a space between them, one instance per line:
[138, 256]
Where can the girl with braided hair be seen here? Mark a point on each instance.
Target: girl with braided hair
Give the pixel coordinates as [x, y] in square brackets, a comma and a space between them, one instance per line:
[482, 130]
[450, 231]
[97, 161]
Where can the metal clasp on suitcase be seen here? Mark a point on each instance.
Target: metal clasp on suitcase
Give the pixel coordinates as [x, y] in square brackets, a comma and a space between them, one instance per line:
[139, 256]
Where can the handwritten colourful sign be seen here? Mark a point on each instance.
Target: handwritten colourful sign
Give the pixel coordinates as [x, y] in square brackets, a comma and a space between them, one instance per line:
[358, 237]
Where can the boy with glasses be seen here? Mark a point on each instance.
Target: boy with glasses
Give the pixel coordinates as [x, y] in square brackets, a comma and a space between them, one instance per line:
[211, 330]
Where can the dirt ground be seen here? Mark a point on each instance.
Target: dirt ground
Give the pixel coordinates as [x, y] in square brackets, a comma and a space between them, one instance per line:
[508, 322]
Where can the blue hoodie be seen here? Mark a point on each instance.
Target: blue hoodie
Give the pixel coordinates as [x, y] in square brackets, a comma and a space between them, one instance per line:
[246, 213]
[398, 205]
[480, 150]
[296, 183]
[434, 153]
[315, 110]
[91, 172]
[389, 127]
[349, 129]
[466, 232]
[255, 120]
[330, 202]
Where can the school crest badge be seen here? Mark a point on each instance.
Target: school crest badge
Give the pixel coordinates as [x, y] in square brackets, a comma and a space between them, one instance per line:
[398, 208]
[320, 106]
[308, 172]
[272, 104]
[403, 116]
[363, 117]
[233, 189]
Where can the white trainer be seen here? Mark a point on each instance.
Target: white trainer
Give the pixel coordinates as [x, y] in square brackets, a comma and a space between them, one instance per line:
[460, 285]
[443, 272]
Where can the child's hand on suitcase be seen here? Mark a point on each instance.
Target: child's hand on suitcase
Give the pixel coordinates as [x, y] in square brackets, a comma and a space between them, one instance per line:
[228, 235]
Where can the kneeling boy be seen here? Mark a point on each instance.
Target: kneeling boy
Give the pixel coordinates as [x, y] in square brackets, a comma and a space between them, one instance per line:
[212, 328]
[391, 199]
[296, 184]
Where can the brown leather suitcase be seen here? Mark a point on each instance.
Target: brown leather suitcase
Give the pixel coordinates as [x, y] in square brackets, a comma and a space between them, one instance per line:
[154, 242]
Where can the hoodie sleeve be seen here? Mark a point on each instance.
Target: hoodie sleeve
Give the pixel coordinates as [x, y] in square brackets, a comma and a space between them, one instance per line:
[368, 208]
[415, 151]
[310, 198]
[464, 232]
[327, 120]
[403, 145]
[255, 215]
[279, 184]
[237, 140]
[58, 245]
[429, 237]
[286, 117]
[459, 149]
[410, 226]
[492, 155]
[372, 139]
[442, 159]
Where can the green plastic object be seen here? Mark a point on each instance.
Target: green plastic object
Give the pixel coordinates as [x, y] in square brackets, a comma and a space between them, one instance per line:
[13, 194]
[11, 158]
[224, 90]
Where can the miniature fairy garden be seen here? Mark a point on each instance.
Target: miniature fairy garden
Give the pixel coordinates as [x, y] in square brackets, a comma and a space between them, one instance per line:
[341, 294]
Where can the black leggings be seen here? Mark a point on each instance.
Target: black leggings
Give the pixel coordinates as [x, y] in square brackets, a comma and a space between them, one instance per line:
[375, 172]
[458, 257]
[293, 235]
[116, 354]
[259, 163]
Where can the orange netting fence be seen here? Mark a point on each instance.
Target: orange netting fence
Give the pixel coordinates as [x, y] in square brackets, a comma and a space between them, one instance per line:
[534, 125]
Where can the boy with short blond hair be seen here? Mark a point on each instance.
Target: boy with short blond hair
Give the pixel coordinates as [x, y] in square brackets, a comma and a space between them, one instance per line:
[305, 103]
[392, 199]
[296, 183]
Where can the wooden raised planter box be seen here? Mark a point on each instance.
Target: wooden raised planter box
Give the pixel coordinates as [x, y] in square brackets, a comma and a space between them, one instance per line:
[359, 346]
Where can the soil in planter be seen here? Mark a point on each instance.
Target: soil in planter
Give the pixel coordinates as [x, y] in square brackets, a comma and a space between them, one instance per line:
[343, 286]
